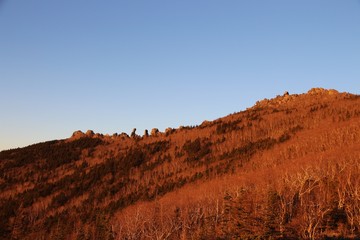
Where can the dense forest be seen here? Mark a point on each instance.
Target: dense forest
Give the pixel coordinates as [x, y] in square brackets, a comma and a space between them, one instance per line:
[286, 168]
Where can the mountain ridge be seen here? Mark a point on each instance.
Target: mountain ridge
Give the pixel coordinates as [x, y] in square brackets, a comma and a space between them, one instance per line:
[274, 102]
[193, 181]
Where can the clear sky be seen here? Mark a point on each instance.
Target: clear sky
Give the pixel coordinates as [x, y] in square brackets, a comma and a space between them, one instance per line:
[115, 65]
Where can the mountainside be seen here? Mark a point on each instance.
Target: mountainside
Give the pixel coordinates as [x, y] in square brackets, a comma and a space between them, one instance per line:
[288, 167]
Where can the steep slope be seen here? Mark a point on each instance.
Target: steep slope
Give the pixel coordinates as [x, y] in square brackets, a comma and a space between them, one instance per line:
[287, 167]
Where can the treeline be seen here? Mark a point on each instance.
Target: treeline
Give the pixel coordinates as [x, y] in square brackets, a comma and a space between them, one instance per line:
[54, 153]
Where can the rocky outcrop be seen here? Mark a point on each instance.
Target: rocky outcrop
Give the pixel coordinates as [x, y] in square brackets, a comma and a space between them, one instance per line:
[99, 135]
[146, 133]
[90, 133]
[154, 132]
[123, 135]
[78, 134]
[279, 100]
[205, 123]
[286, 98]
[133, 133]
[319, 91]
[169, 130]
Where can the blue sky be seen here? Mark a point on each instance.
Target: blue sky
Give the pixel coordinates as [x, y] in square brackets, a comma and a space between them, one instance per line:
[114, 65]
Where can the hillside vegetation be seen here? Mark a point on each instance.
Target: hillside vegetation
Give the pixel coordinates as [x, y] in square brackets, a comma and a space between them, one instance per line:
[286, 168]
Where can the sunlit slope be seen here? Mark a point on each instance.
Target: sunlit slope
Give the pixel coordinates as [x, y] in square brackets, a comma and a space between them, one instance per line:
[287, 167]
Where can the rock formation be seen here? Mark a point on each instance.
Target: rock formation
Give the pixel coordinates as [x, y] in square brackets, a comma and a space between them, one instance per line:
[154, 131]
[317, 91]
[133, 133]
[90, 133]
[78, 134]
[169, 130]
[205, 123]
[123, 135]
[146, 133]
